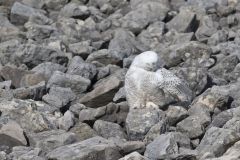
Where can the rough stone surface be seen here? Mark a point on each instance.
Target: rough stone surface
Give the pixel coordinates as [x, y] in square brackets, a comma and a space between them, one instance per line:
[93, 148]
[62, 71]
[139, 122]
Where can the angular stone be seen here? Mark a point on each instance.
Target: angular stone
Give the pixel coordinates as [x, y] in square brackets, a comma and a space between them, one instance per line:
[77, 83]
[91, 114]
[38, 32]
[7, 30]
[26, 153]
[33, 120]
[12, 134]
[82, 49]
[93, 148]
[103, 56]
[152, 35]
[177, 53]
[233, 124]
[139, 122]
[206, 28]
[49, 140]
[224, 68]
[127, 47]
[74, 10]
[15, 75]
[67, 121]
[167, 145]
[175, 114]
[59, 97]
[104, 91]
[217, 140]
[185, 21]
[144, 14]
[77, 66]
[156, 130]
[83, 131]
[34, 92]
[109, 130]
[20, 13]
[191, 126]
[33, 55]
[134, 156]
[231, 154]
[48, 68]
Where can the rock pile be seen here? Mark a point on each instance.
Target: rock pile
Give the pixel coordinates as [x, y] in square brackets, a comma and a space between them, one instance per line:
[62, 71]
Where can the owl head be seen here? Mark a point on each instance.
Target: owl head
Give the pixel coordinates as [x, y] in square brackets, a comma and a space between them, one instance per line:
[148, 60]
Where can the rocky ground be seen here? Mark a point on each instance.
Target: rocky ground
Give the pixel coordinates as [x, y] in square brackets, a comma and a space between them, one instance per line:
[63, 64]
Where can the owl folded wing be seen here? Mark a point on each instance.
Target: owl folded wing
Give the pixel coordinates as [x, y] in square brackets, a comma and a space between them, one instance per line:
[174, 85]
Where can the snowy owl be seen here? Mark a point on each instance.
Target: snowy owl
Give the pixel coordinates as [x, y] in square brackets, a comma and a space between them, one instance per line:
[146, 84]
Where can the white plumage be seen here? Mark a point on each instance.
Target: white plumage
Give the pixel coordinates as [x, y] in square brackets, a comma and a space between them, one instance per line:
[146, 84]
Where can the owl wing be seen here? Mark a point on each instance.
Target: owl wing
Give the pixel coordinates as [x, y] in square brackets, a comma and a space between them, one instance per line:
[174, 85]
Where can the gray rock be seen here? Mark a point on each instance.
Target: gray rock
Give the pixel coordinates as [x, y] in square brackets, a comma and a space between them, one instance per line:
[140, 121]
[167, 145]
[12, 134]
[185, 21]
[173, 37]
[83, 131]
[232, 153]
[206, 28]
[74, 10]
[144, 14]
[7, 29]
[48, 68]
[59, 97]
[175, 114]
[218, 37]
[109, 130]
[192, 126]
[116, 113]
[34, 3]
[5, 84]
[221, 119]
[49, 140]
[134, 156]
[106, 71]
[120, 95]
[17, 75]
[93, 148]
[156, 130]
[104, 90]
[127, 147]
[91, 114]
[56, 4]
[233, 124]
[152, 35]
[34, 92]
[33, 120]
[77, 66]
[76, 108]
[20, 13]
[77, 83]
[224, 67]
[26, 153]
[217, 140]
[128, 61]
[127, 47]
[38, 32]
[174, 54]
[82, 49]
[32, 55]
[103, 56]
[67, 121]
